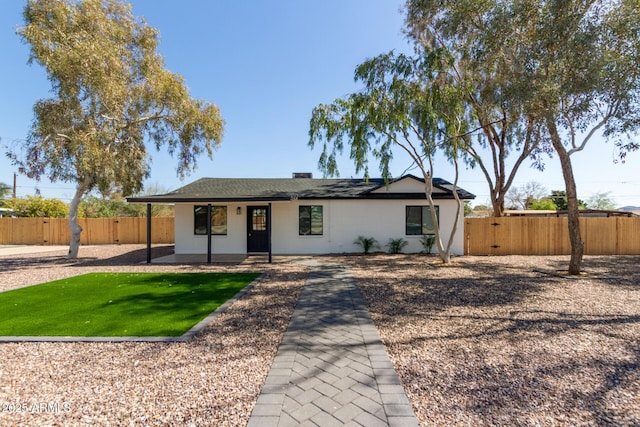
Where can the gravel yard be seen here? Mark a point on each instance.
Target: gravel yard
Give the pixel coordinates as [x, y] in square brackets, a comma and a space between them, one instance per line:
[211, 380]
[488, 341]
[508, 340]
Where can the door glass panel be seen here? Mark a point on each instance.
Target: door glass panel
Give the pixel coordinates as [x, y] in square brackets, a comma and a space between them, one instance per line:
[259, 220]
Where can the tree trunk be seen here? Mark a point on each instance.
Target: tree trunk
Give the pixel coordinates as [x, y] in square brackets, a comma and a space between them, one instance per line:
[497, 203]
[74, 228]
[459, 207]
[577, 245]
[573, 213]
[445, 255]
[443, 252]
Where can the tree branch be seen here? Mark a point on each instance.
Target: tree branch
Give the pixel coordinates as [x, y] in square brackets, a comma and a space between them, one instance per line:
[592, 132]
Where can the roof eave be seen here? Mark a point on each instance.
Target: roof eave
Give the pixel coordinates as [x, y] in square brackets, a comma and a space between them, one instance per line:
[204, 199]
[374, 196]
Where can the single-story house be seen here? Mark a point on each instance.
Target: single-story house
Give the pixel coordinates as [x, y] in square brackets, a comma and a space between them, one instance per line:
[303, 215]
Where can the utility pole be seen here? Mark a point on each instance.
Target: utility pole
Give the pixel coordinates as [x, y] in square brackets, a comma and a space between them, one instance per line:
[15, 180]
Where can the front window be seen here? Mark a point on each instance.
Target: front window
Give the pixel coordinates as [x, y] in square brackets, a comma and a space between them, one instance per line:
[418, 220]
[310, 221]
[218, 220]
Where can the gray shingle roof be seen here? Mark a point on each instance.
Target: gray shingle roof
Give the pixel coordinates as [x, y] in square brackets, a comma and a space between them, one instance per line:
[274, 189]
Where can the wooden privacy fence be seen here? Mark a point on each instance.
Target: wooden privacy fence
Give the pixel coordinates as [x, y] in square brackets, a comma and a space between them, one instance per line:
[550, 236]
[95, 231]
[483, 236]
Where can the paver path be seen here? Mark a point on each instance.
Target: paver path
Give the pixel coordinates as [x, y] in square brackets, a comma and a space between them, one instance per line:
[331, 368]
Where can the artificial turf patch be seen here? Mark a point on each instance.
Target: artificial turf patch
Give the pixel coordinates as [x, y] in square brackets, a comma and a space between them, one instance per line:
[117, 304]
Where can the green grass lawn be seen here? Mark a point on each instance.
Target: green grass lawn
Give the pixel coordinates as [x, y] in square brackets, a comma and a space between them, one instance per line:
[117, 304]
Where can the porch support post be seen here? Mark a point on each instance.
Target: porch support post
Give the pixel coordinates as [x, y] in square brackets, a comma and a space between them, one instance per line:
[209, 233]
[269, 231]
[148, 233]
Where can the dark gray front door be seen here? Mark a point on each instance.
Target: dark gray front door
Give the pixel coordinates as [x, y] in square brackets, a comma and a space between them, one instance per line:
[257, 229]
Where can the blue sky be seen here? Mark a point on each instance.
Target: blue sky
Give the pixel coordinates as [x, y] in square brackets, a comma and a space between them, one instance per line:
[266, 65]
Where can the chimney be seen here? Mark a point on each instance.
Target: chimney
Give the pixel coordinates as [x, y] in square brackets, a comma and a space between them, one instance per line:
[302, 175]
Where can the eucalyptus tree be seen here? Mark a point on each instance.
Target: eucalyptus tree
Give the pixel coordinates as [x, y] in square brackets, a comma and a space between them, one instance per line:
[572, 66]
[406, 103]
[507, 134]
[110, 92]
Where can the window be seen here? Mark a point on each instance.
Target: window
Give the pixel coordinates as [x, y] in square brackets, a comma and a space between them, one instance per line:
[259, 219]
[218, 220]
[310, 221]
[418, 220]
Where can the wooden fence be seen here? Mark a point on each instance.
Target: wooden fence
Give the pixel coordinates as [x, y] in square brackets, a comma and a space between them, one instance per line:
[550, 236]
[96, 231]
[483, 236]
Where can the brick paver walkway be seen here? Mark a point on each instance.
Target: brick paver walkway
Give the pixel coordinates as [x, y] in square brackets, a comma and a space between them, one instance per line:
[331, 368]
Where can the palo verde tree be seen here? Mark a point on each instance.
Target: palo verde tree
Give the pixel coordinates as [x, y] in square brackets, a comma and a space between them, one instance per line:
[573, 66]
[110, 92]
[396, 110]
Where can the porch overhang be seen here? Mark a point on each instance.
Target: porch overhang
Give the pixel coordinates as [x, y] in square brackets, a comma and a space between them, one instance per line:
[209, 235]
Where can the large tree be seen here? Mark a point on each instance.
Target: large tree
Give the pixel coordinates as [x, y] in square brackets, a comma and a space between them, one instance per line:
[572, 66]
[395, 110]
[110, 92]
[507, 134]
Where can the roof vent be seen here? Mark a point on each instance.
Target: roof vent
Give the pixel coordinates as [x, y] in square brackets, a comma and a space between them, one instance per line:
[302, 175]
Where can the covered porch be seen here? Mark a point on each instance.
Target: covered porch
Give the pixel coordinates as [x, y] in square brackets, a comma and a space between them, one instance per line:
[259, 239]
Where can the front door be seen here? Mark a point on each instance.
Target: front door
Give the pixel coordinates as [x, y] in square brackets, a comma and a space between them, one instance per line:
[257, 229]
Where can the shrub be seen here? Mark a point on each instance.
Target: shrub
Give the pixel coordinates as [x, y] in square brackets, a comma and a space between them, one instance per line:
[428, 240]
[396, 245]
[37, 207]
[367, 243]
[95, 207]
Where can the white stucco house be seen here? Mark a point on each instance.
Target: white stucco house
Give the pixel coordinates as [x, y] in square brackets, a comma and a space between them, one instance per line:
[302, 215]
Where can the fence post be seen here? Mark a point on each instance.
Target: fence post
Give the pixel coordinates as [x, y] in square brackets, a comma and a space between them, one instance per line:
[209, 233]
[148, 233]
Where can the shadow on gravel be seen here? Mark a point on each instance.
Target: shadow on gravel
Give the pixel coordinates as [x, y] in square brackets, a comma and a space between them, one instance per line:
[539, 322]
[8, 264]
[427, 294]
[501, 344]
[57, 259]
[136, 256]
[620, 271]
[524, 393]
